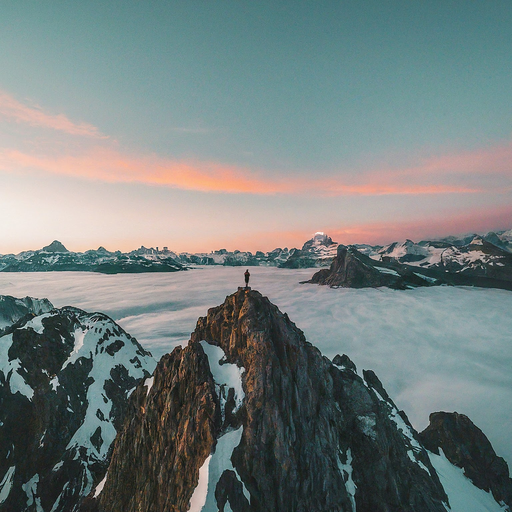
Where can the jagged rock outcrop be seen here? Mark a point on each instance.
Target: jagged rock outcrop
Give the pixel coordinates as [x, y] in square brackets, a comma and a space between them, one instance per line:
[64, 380]
[249, 416]
[352, 269]
[466, 446]
[55, 246]
[477, 264]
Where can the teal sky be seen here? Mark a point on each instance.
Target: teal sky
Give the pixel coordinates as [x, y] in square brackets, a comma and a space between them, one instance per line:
[249, 125]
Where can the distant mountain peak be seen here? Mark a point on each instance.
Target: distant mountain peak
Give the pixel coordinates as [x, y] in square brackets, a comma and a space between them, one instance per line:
[55, 246]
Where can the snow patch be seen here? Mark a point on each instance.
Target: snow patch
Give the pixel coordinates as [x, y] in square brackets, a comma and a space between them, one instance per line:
[225, 375]
[426, 278]
[30, 489]
[203, 498]
[10, 369]
[198, 498]
[346, 473]
[36, 323]
[79, 336]
[54, 383]
[384, 270]
[6, 484]
[100, 486]
[149, 384]
[462, 494]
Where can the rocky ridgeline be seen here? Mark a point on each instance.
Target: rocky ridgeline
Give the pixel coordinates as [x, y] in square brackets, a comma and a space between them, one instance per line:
[480, 263]
[65, 376]
[251, 417]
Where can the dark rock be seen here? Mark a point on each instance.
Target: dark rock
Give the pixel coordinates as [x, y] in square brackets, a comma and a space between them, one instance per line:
[466, 446]
[12, 309]
[55, 246]
[344, 362]
[352, 269]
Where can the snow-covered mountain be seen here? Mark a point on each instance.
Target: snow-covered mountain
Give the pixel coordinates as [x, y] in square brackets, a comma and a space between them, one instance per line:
[55, 257]
[65, 377]
[318, 251]
[401, 266]
[250, 417]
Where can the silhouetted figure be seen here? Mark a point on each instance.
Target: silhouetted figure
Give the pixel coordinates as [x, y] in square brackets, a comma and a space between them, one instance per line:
[247, 275]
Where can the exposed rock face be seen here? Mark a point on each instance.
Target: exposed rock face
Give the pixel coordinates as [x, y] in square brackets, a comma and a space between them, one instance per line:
[64, 380]
[296, 433]
[466, 446]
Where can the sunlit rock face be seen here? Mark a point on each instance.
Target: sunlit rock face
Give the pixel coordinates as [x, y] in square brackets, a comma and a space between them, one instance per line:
[64, 380]
[251, 417]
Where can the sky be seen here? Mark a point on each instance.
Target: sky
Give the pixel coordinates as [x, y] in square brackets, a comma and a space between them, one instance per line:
[252, 125]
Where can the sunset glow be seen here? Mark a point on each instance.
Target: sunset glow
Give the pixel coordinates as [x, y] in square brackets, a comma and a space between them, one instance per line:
[252, 142]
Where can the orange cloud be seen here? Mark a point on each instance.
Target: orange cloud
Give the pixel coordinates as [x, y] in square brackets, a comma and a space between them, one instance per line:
[33, 115]
[109, 165]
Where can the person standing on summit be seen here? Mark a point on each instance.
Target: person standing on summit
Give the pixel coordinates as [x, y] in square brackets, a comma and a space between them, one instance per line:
[247, 275]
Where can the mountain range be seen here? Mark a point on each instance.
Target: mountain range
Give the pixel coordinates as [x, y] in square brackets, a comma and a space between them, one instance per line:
[472, 260]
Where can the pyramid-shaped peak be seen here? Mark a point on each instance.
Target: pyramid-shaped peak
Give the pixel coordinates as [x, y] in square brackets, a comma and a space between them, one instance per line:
[55, 246]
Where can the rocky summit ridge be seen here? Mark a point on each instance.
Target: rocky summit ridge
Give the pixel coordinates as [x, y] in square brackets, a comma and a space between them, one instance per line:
[251, 417]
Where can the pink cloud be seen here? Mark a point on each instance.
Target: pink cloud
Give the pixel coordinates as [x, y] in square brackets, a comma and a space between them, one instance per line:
[35, 116]
[109, 165]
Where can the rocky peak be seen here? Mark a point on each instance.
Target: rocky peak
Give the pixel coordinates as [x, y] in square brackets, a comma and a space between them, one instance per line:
[251, 417]
[466, 446]
[55, 246]
[319, 240]
[353, 269]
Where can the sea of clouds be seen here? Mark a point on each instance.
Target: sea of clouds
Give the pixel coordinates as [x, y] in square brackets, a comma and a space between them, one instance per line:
[443, 348]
